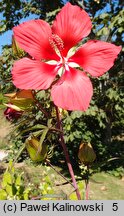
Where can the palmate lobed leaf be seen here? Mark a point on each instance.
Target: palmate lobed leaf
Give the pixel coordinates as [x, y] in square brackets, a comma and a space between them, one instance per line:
[38, 127]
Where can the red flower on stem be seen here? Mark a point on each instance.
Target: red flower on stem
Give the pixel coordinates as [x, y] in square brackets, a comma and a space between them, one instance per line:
[54, 54]
[12, 114]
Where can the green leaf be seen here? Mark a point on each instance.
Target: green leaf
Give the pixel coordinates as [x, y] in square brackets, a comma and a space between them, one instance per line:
[104, 15]
[18, 181]
[49, 123]
[26, 193]
[36, 127]
[3, 194]
[9, 190]
[121, 29]
[73, 196]
[23, 103]
[43, 136]
[7, 179]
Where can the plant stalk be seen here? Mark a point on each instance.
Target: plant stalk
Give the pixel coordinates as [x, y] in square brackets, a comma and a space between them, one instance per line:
[67, 155]
[87, 189]
[87, 185]
[19, 153]
[58, 172]
[39, 105]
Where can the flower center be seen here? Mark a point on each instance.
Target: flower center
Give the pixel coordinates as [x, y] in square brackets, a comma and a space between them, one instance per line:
[57, 44]
[63, 64]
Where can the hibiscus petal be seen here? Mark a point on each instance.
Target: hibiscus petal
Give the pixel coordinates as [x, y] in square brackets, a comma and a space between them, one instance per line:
[71, 25]
[73, 91]
[33, 74]
[96, 57]
[33, 36]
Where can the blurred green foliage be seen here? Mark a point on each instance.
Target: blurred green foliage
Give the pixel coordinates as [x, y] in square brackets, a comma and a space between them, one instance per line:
[13, 187]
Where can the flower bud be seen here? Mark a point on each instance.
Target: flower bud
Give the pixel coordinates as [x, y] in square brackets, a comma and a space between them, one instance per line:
[11, 113]
[36, 151]
[86, 153]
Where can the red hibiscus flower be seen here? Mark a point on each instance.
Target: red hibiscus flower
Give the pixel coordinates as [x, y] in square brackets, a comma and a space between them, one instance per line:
[12, 114]
[54, 55]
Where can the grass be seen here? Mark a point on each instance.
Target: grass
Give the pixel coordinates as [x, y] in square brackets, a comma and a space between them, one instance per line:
[107, 187]
[103, 186]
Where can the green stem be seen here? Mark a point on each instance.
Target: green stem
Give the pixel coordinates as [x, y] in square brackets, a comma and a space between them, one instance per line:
[67, 155]
[39, 105]
[19, 153]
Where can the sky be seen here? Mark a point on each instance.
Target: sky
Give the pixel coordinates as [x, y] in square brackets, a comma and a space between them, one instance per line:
[6, 38]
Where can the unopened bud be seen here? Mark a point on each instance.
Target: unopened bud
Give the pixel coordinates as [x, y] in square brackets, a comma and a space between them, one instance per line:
[86, 153]
[36, 151]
